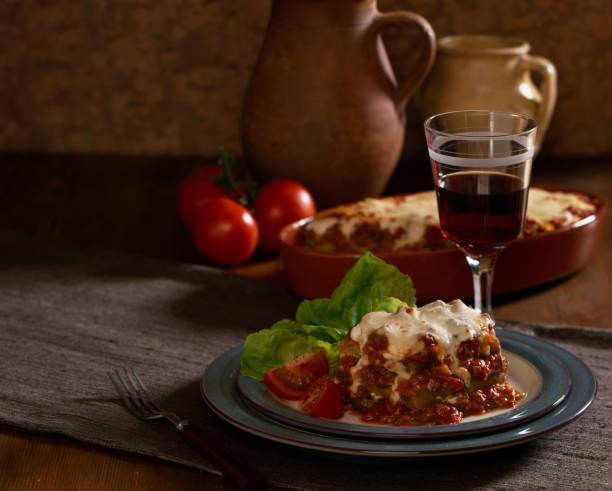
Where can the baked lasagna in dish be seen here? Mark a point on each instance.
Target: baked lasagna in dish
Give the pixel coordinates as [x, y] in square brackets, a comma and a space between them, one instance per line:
[552, 210]
[424, 366]
[410, 222]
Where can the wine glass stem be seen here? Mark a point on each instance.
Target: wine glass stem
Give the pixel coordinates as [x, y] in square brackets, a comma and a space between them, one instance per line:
[482, 275]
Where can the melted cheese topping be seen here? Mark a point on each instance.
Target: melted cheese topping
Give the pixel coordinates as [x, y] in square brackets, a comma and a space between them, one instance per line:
[320, 225]
[412, 214]
[450, 324]
[545, 206]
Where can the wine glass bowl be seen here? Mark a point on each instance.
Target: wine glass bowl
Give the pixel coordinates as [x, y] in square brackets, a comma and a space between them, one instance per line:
[481, 164]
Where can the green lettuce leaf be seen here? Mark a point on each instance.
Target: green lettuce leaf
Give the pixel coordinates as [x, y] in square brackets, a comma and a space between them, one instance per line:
[282, 342]
[362, 289]
[324, 333]
[370, 285]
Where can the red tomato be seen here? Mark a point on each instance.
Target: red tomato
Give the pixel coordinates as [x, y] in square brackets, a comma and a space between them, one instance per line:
[279, 203]
[225, 232]
[198, 189]
[324, 399]
[292, 380]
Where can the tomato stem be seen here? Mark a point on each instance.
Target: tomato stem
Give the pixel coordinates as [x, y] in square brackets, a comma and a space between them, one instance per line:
[246, 187]
[227, 162]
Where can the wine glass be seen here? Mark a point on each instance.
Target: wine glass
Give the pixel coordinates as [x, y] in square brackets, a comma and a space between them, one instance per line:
[481, 164]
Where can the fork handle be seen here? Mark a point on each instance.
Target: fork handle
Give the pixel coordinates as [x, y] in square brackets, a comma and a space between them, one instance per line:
[233, 469]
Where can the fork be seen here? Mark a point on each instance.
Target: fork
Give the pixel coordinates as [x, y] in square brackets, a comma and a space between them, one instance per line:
[137, 400]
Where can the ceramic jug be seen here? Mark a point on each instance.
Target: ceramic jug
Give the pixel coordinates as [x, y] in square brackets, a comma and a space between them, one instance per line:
[323, 106]
[489, 72]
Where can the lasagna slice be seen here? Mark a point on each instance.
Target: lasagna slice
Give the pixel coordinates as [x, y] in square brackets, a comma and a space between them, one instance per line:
[410, 222]
[424, 366]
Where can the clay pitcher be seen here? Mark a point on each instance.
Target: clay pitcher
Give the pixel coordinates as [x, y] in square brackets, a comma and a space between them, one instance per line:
[323, 106]
[489, 72]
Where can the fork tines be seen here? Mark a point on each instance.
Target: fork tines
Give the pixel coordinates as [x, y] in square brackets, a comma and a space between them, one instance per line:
[134, 393]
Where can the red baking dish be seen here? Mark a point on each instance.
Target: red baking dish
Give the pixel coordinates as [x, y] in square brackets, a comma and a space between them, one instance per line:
[444, 274]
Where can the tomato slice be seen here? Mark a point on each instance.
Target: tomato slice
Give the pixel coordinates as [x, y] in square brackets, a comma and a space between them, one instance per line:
[280, 387]
[292, 380]
[323, 400]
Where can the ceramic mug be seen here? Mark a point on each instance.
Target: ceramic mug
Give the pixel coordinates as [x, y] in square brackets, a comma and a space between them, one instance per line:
[489, 72]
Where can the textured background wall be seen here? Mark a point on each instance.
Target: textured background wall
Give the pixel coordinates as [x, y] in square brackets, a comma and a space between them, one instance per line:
[169, 76]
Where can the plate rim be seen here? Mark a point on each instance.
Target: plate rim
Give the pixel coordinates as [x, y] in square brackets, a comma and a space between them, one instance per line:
[577, 402]
[542, 401]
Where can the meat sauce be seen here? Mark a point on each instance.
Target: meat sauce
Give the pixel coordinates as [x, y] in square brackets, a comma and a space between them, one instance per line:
[433, 395]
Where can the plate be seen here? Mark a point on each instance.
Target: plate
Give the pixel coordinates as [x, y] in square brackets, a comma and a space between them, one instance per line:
[219, 391]
[315, 274]
[539, 374]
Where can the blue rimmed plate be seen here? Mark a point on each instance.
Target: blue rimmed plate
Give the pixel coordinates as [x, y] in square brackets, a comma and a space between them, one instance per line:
[218, 386]
[538, 374]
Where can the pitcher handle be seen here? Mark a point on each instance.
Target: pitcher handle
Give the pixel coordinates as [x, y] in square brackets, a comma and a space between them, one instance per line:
[407, 87]
[548, 88]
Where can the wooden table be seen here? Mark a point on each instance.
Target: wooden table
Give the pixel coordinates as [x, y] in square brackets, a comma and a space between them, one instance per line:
[127, 204]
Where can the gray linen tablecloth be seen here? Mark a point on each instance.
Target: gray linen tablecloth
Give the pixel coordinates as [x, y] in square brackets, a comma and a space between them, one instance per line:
[71, 314]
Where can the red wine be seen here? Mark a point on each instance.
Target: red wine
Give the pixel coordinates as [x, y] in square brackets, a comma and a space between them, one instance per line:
[481, 211]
